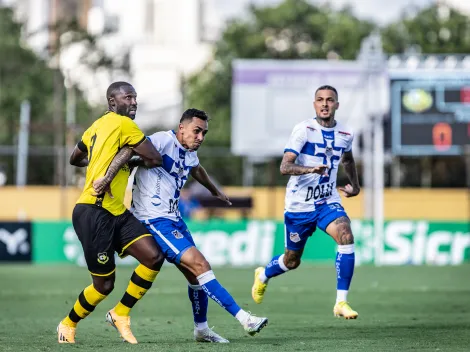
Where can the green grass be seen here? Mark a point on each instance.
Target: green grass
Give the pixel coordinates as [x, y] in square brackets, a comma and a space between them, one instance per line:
[401, 309]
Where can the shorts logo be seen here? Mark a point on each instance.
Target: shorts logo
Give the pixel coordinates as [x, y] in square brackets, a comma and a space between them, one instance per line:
[178, 235]
[103, 258]
[294, 237]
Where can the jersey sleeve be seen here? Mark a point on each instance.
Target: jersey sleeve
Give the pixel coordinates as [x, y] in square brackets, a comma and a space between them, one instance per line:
[131, 134]
[297, 140]
[84, 143]
[350, 143]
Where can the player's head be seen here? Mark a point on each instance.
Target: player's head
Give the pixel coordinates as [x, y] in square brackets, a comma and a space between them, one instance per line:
[193, 128]
[326, 102]
[122, 99]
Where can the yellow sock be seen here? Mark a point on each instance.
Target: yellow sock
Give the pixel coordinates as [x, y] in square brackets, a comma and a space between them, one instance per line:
[141, 281]
[88, 299]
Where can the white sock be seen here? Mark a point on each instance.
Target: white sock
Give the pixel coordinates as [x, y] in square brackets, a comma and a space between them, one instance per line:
[242, 316]
[201, 326]
[341, 295]
[262, 277]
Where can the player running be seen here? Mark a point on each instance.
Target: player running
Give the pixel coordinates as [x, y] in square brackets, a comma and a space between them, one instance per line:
[103, 224]
[155, 202]
[312, 158]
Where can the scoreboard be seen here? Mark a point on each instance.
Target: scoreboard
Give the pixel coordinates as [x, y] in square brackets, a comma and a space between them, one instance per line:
[430, 114]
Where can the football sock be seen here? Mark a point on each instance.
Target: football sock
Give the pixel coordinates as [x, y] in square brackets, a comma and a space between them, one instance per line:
[215, 291]
[200, 304]
[344, 270]
[141, 280]
[275, 267]
[85, 304]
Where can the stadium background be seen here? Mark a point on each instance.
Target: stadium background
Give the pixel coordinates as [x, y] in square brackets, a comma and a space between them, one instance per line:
[57, 58]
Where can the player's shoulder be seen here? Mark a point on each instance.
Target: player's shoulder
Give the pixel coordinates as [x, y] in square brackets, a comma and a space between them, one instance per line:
[344, 130]
[302, 125]
[161, 137]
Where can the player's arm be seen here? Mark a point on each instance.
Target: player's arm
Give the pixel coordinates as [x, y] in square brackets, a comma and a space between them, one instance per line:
[352, 189]
[289, 167]
[79, 156]
[201, 176]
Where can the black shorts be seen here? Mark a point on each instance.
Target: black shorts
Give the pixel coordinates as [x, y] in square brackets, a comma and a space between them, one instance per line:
[102, 233]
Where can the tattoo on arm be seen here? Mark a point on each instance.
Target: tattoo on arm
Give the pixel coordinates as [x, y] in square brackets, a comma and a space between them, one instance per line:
[289, 167]
[121, 158]
[350, 169]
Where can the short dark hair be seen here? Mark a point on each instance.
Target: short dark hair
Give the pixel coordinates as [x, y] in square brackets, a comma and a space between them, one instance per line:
[327, 87]
[190, 113]
[114, 87]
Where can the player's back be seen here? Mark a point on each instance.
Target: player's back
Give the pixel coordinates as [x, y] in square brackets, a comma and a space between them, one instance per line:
[103, 140]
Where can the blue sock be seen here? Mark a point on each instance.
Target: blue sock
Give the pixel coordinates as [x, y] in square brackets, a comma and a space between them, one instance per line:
[344, 270]
[200, 303]
[275, 267]
[215, 291]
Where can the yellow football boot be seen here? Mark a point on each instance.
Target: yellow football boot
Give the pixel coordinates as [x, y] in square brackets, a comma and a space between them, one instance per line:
[258, 289]
[122, 325]
[342, 309]
[66, 334]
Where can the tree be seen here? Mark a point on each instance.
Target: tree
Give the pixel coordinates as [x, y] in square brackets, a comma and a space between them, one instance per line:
[295, 29]
[437, 29]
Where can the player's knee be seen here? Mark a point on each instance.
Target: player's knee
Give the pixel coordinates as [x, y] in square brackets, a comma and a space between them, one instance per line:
[105, 287]
[154, 261]
[346, 238]
[292, 263]
[200, 266]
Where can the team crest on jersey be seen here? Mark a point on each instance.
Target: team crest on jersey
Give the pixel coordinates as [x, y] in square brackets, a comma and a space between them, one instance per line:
[103, 258]
[329, 151]
[178, 235]
[294, 237]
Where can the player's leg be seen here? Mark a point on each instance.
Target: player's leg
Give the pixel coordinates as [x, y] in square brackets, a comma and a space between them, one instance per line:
[135, 240]
[335, 222]
[94, 228]
[298, 228]
[194, 261]
[200, 304]
[176, 242]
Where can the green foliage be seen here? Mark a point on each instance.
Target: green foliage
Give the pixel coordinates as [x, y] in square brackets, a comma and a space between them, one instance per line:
[433, 30]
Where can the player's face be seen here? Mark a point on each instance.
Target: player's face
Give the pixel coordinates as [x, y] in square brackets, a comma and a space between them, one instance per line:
[125, 102]
[193, 133]
[325, 104]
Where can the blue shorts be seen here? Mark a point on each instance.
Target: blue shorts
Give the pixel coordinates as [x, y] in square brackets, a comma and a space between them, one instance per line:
[173, 237]
[300, 226]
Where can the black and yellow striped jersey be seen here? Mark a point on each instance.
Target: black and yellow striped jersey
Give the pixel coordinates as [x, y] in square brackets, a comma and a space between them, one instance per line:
[102, 140]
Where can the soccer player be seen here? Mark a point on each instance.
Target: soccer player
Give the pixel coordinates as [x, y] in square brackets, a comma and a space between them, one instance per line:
[155, 197]
[312, 157]
[102, 222]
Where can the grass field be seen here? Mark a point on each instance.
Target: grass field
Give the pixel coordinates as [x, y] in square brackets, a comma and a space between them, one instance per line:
[401, 309]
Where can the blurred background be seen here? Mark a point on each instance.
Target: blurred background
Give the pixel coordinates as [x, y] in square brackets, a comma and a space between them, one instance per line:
[402, 70]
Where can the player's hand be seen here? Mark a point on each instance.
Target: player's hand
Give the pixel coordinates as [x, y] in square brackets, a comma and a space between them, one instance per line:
[349, 191]
[223, 197]
[320, 169]
[102, 185]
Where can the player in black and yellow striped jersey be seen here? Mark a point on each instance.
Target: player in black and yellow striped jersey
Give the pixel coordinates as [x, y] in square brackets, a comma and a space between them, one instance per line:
[102, 222]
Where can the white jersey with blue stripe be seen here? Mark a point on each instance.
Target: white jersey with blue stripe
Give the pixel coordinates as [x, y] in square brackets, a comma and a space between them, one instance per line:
[156, 192]
[316, 145]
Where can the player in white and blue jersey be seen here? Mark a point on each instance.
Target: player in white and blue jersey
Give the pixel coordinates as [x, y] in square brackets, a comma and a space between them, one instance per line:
[312, 157]
[155, 198]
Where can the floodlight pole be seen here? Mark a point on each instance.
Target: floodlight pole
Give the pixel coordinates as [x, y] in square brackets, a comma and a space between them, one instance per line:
[374, 61]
